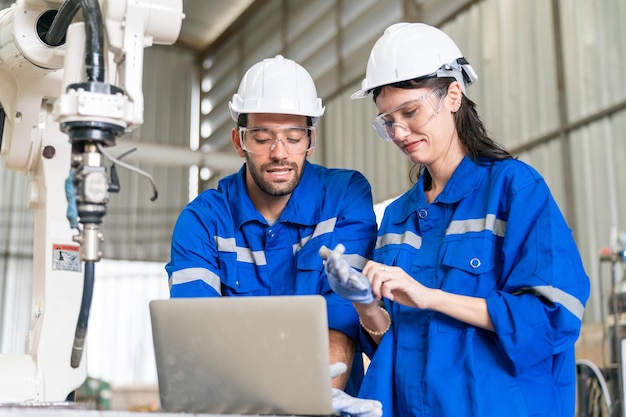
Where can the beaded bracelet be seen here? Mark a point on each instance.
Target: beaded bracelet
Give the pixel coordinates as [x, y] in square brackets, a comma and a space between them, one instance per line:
[373, 332]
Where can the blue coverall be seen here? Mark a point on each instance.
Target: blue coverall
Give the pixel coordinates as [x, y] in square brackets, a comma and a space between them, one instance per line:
[494, 232]
[221, 245]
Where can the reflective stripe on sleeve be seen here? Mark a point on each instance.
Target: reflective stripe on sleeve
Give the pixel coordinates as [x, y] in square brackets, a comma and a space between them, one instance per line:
[556, 295]
[193, 274]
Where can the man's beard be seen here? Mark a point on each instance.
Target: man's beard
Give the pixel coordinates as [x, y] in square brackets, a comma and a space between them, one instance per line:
[274, 189]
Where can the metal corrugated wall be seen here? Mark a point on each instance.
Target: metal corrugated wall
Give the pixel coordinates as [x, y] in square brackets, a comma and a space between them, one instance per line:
[595, 113]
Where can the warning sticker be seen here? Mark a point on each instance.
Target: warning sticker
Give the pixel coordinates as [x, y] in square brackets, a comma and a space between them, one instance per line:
[66, 258]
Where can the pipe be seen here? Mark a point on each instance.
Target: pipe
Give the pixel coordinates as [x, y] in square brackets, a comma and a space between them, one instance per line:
[62, 20]
[94, 57]
[83, 317]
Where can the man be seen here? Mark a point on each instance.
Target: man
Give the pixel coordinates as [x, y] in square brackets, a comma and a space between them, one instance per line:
[260, 231]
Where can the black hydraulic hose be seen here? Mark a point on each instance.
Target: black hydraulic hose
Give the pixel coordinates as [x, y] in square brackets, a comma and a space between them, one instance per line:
[62, 20]
[83, 317]
[94, 43]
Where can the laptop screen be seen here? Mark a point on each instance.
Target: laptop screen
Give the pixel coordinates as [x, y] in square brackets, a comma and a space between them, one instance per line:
[243, 355]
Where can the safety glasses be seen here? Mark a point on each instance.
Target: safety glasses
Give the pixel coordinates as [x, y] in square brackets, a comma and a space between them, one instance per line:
[412, 115]
[264, 139]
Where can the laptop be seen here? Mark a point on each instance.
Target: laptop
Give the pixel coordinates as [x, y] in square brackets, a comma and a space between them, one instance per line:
[243, 355]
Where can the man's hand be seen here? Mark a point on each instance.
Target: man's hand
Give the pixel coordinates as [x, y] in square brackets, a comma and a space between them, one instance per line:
[348, 405]
[343, 279]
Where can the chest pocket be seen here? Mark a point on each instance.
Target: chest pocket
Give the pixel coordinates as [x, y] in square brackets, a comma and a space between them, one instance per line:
[310, 277]
[309, 259]
[238, 278]
[470, 266]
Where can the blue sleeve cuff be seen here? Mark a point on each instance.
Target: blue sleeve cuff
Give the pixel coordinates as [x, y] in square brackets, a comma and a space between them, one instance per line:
[192, 289]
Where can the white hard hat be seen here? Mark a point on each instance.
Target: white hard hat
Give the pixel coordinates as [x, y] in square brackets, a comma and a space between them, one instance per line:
[407, 51]
[277, 85]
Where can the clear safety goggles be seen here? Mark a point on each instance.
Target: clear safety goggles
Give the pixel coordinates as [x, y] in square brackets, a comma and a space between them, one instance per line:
[413, 114]
[263, 139]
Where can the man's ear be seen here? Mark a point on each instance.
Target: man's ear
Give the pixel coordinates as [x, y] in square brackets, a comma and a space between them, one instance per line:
[236, 140]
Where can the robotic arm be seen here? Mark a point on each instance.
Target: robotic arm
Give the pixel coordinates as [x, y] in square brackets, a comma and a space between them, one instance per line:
[70, 84]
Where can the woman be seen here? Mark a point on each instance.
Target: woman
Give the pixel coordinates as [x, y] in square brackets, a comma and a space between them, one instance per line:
[482, 282]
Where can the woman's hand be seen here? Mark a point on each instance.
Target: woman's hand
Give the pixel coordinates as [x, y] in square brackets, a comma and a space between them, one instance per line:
[396, 285]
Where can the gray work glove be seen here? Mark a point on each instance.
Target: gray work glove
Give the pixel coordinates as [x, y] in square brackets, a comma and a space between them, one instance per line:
[343, 279]
[348, 405]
